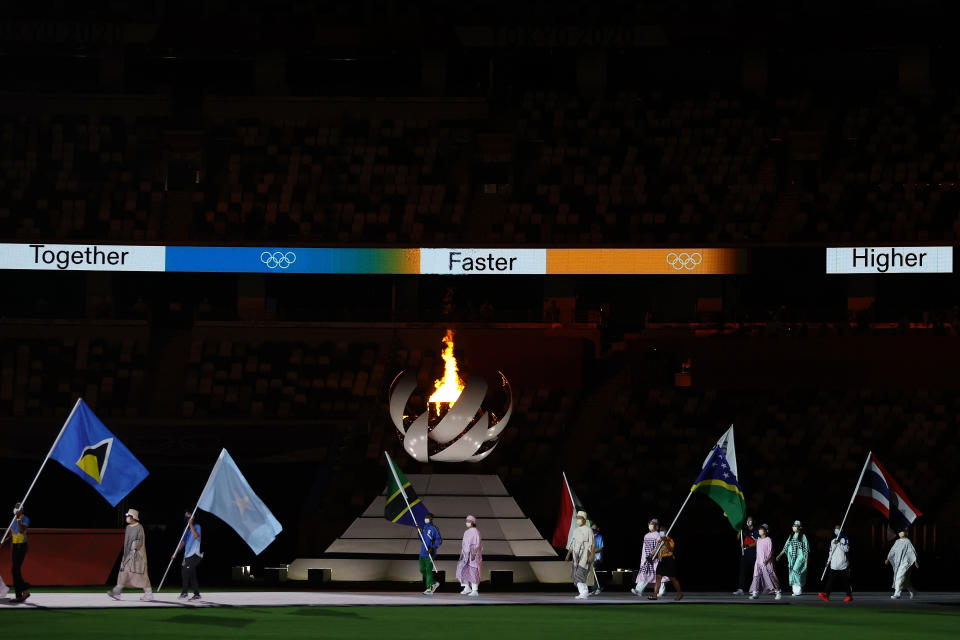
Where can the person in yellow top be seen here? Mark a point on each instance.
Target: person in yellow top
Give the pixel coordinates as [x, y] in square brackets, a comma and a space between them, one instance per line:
[666, 568]
[19, 529]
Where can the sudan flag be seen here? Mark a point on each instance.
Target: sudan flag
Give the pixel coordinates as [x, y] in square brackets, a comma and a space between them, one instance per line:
[403, 506]
[87, 448]
[567, 521]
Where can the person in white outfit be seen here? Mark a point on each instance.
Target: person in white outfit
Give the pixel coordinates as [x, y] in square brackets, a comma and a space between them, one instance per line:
[903, 559]
[471, 559]
[580, 550]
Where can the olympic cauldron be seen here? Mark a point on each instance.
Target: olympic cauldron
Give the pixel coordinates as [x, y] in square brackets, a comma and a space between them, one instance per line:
[458, 431]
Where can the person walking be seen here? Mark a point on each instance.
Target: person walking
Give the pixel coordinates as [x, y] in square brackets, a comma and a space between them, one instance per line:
[580, 551]
[764, 574]
[133, 566]
[471, 558]
[667, 565]
[748, 556]
[190, 543]
[798, 553]
[430, 542]
[648, 566]
[838, 566]
[903, 559]
[19, 553]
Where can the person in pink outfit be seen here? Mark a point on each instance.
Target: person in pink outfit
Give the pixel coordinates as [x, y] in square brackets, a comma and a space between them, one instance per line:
[764, 575]
[471, 557]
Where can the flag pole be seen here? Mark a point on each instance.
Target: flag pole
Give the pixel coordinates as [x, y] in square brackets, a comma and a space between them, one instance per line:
[407, 501]
[23, 502]
[844, 521]
[670, 528]
[187, 526]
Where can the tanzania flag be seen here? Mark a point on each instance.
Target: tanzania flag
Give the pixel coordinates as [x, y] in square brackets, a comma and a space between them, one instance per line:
[718, 481]
[88, 449]
[396, 509]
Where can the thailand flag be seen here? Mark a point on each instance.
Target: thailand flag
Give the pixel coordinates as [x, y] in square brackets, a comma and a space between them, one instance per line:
[880, 491]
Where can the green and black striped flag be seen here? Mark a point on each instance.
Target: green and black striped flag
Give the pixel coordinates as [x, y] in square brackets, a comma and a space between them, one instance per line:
[403, 506]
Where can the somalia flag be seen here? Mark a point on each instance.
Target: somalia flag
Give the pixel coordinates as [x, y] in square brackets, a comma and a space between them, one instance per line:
[403, 506]
[718, 481]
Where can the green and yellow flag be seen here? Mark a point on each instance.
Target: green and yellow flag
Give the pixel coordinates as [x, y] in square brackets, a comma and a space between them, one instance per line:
[719, 482]
[403, 506]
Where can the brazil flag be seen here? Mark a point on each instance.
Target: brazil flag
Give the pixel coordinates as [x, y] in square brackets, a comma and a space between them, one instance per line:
[87, 448]
[410, 510]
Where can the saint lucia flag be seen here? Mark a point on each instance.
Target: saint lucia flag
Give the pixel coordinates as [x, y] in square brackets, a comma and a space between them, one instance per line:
[88, 449]
[403, 505]
[228, 496]
[718, 481]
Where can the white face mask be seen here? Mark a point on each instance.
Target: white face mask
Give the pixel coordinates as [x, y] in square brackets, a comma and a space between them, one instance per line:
[663, 534]
[749, 523]
[426, 520]
[836, 532]
[16, 511]
[794, 529]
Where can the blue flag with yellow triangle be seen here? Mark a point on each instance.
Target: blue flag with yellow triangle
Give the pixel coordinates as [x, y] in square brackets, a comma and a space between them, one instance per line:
[87, 448]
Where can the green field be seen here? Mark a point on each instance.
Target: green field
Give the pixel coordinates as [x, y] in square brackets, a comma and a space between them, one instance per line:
[666, 622]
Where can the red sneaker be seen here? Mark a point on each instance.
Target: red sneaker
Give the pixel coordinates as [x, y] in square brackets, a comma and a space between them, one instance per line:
[848, 599]
[824, 597]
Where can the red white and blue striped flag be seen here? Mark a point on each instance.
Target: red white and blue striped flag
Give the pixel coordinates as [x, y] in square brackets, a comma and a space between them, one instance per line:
[879, 490]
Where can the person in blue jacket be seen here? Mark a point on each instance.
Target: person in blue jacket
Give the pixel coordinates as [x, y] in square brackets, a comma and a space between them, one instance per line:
[428, 551]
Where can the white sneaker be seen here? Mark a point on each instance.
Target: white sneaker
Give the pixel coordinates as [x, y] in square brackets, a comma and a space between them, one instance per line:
[147, 597]
[4, 590]
[777, 596]
[738, 592]
[115, 596]
[634, 591]
[474, 593]
[465, 591]
[754, 595]
[436, 585]
[895, 596]
[581, 596]
[912, 593]
[428, 592]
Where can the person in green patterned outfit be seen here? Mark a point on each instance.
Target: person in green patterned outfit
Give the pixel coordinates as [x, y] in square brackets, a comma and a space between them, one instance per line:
[798, 552]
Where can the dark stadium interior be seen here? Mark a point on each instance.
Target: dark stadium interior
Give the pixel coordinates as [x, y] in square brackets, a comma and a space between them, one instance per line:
[388, 123]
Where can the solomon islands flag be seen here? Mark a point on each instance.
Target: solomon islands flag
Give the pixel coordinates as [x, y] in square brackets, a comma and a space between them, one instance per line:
[400, 494]
[880, 491]
[718, 481]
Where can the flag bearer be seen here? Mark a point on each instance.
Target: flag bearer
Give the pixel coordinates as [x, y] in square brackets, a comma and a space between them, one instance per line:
[580, 550]
[667, 567]
[19, 531]
[764, 575]
[838, 566]
[428, 550]
[133, 566]
[191, 557]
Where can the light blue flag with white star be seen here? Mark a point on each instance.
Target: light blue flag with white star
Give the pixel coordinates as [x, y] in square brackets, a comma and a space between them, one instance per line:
[228, 496]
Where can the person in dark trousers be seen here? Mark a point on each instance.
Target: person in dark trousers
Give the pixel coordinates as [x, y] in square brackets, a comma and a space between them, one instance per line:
[748, 556]
[597, 557]
[19, 530]
[838, 566]
[191, 557]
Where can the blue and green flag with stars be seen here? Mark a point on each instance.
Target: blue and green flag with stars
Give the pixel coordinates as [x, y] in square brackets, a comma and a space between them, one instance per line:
[718, 481]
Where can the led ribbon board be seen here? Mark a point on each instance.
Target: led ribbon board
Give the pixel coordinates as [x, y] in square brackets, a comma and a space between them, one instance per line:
[428, 261]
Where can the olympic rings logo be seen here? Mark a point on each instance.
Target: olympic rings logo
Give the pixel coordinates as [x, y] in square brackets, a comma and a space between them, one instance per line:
[278, 259]
[684, 260]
